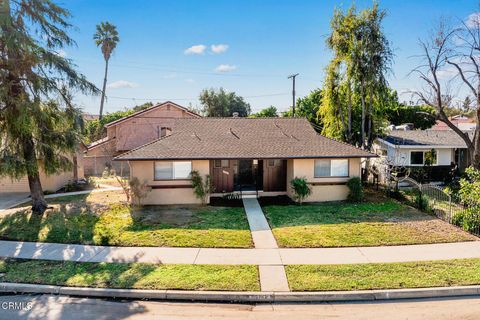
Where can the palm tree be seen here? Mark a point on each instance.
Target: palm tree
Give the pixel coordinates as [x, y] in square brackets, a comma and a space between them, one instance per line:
[106, 36]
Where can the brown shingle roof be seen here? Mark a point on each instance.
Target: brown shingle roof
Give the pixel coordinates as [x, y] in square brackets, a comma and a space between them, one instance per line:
[237, 138]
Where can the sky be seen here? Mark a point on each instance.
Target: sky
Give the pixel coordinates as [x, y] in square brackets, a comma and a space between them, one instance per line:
[171, 50]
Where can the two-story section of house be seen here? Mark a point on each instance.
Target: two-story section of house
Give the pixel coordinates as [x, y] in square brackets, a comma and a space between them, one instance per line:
[131, 132]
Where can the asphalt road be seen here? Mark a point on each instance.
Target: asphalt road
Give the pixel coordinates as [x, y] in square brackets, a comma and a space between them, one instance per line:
[59, 307]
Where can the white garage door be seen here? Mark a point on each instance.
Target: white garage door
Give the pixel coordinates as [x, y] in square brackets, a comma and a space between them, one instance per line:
[9, 185]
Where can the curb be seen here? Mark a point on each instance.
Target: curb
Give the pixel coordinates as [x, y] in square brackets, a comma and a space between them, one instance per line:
[243, 296]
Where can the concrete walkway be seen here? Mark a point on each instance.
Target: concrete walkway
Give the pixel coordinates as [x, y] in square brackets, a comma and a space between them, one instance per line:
[272, 277]
[261, 257]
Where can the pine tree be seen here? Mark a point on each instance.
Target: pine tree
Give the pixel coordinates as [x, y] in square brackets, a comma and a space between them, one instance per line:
[38, 124]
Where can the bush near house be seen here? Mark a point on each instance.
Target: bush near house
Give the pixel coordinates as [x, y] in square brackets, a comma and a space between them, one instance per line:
[355, 190]
[301, 189]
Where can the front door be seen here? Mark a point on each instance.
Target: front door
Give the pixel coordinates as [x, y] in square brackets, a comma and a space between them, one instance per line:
[274, 175]
[245, 175]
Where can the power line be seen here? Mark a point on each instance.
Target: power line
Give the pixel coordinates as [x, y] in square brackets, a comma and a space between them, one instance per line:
[195, 98]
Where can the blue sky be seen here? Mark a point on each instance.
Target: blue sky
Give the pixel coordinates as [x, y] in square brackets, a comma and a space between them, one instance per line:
[263, 42]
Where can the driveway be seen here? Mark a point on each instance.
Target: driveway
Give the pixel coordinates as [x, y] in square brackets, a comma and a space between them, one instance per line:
[9, 199]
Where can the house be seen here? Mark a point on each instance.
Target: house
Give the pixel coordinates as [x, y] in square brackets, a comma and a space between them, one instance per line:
[130, 132]
[244, 154]
[462, 122]
[415, 149]
[49, 183]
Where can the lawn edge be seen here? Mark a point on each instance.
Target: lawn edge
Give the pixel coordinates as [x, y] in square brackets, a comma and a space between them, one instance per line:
[244, 296]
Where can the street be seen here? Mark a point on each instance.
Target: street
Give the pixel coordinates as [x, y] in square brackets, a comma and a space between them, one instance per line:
[61, 307]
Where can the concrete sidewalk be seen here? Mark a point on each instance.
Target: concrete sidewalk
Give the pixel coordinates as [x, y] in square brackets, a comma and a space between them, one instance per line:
[261, 257]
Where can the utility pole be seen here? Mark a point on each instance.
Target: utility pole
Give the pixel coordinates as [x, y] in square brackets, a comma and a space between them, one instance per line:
[293, 76]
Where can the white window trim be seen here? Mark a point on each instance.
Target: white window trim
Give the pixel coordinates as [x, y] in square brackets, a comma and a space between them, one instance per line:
[173, 171]
[423, 164]
[320, 177]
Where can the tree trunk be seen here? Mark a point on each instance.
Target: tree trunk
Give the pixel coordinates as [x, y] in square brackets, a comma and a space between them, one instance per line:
[362, 96]
[475, 152]
[370, 122]
[103, 90]
[349, 92]
[39, 205]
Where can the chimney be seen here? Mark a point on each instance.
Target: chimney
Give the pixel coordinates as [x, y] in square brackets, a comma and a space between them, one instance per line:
[235, 114]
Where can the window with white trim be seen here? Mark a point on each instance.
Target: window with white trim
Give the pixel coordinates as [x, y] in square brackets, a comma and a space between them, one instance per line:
[420, 158]
[172, 170]
[331, 168]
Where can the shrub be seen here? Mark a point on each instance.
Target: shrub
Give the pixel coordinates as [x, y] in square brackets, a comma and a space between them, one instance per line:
[469, 192]
[421, 201]
[138, 191]
[301, 189]
[356, 189]
[468, 219]
[200, 188]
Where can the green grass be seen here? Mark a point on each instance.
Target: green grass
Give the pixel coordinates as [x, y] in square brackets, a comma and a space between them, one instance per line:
[135, 275]
[366, 224]
[384, 275]
[77, 221]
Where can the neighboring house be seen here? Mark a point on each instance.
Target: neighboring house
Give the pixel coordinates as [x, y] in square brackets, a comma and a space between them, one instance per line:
[243, 154]
[435, 149]
[462, 122]
[50, 183]
[130, 132]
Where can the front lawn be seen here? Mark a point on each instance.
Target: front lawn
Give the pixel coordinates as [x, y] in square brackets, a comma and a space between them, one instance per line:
[103, 219]
[384, 275]
[131, 276]
[341, 224]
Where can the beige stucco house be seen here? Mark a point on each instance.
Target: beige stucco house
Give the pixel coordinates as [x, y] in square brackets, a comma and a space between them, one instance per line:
[131, 132]
[249, 155]
[49, 183]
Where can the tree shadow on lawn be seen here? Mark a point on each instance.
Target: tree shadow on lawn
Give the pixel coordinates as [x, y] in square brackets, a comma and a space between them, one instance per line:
[75, 220]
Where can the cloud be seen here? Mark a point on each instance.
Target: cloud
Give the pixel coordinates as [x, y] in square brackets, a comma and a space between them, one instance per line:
[473, 20]
[219, 48]
[225, 68]
[196, 49]
[189, 80]
[120, 84]
[170, 76]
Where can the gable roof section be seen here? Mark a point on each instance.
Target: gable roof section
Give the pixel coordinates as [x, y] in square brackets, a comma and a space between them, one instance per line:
[426, 138]
[243, 138]
[142, 112]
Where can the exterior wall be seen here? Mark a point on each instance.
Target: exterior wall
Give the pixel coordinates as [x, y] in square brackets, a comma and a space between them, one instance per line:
[49, 183]
[96, 159]
[137, 131]
[180, 192]
[402, 155]
[325, 188]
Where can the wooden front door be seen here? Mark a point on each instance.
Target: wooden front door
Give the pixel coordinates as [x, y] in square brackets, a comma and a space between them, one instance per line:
[275, 175]
[222, 173]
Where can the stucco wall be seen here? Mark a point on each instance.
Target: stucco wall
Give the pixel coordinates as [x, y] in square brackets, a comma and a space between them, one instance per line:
[49, 183]
[144, 128]
[335, 188]
[144, 171]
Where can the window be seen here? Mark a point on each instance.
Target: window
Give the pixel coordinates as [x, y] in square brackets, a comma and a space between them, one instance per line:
[331, 168]
[172, 170]
[222, 163]
[420, 158]
[165, 131]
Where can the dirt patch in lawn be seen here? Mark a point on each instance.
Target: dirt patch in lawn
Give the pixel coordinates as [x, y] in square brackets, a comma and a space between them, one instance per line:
[172, 215]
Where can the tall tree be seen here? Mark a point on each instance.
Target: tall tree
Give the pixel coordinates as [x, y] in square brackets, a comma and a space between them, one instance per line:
[355, 82]
[265, 113]
[441, 51]
[219, 103]
[107, 38]
[38, 124]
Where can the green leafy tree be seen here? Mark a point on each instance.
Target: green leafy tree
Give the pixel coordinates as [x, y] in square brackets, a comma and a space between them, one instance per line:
[355, 86]
[421, 116]
[307, 107]
[266, 113]
[219, 103]
[106, 37]
[38, 123]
